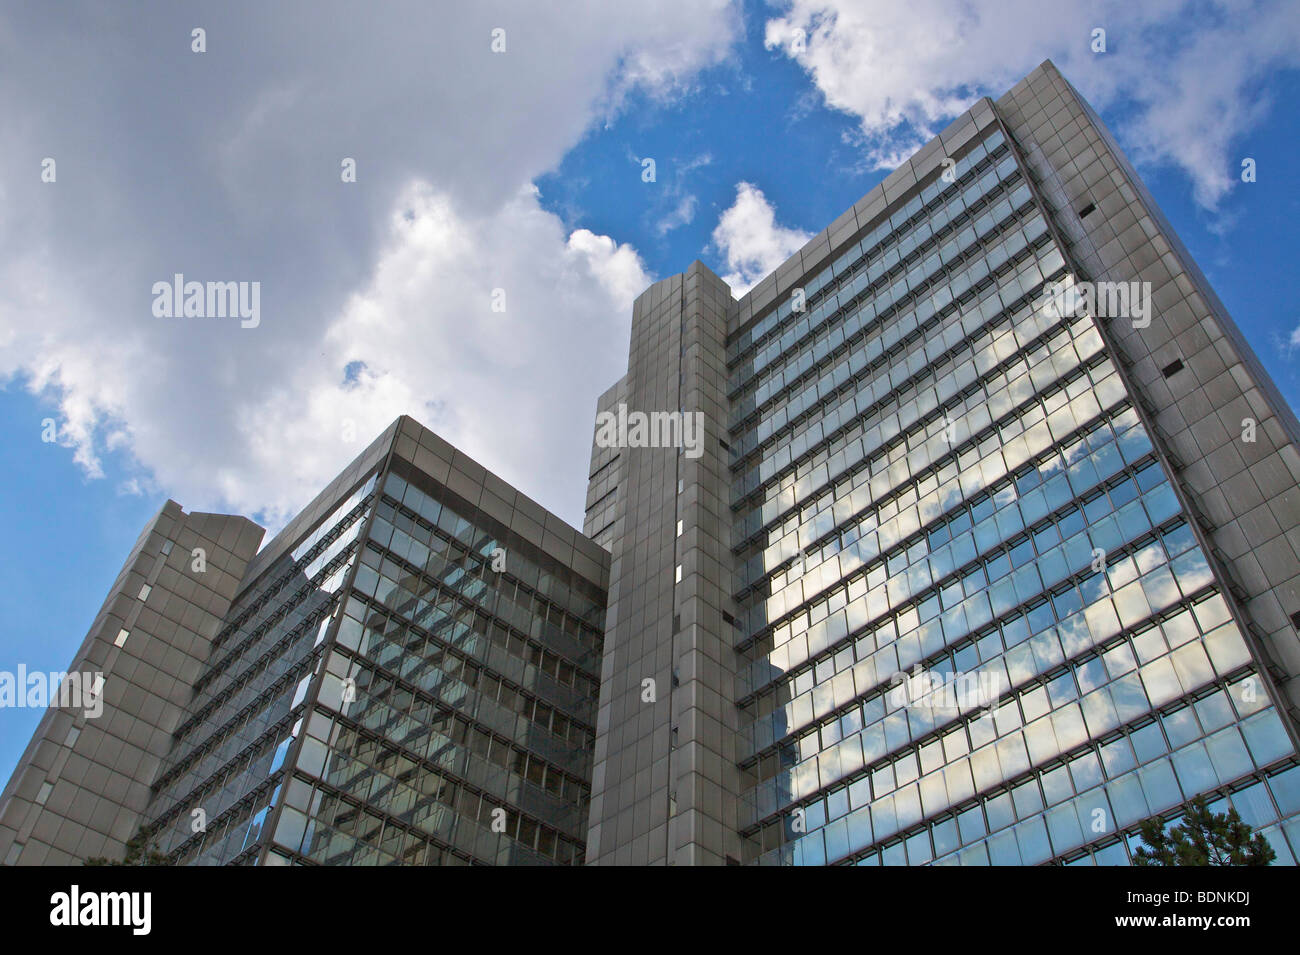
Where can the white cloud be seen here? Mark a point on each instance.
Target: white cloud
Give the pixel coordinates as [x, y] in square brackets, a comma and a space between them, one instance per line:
[750, 241]
[682, 214]
[673, 205]
[500, 385]
[225, 166]
[1189, 80]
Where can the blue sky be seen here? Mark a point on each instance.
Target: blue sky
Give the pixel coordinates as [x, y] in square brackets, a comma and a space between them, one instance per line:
[477, 171]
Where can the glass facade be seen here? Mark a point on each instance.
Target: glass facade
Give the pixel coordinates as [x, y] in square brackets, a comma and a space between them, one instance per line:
[413, 684]
[225, 774]
[937, 469]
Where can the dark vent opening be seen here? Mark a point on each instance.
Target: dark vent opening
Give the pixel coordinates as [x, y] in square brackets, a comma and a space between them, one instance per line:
[728, 618]
[677, 622]
[1173, 368]
[1295, 619]
[725, 446]
[1087, 210]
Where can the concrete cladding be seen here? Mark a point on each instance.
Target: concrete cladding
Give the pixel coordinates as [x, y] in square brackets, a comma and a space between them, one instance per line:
[82, 785]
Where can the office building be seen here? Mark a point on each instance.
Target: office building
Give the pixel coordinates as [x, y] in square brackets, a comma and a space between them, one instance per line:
[404, 674]
[992, 553]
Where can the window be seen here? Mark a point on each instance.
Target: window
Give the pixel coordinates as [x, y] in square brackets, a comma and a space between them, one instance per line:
[166, 547]
[121, 638]
[144, 592]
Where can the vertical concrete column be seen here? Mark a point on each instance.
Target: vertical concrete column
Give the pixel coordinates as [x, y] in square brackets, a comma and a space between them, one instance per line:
[665, 779]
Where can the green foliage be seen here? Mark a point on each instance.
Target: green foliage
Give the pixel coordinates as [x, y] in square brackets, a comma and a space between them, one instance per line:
[1203, 838]
[139, 851]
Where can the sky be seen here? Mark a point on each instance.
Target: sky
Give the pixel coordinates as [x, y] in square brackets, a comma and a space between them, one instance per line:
[522, 172]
